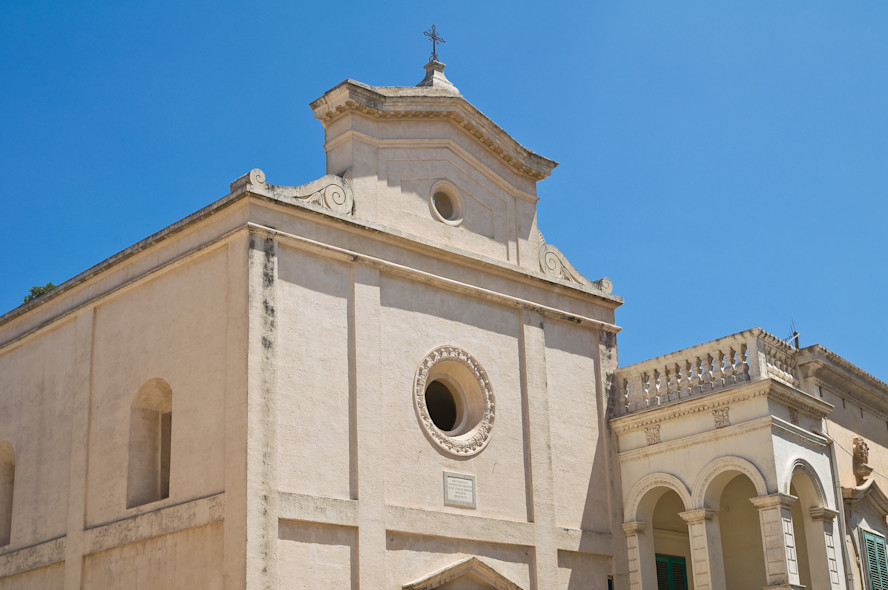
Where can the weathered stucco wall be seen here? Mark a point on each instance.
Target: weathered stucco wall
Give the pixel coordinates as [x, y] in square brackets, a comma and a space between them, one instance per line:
[35, 416]
[184, 560]
[172, 328]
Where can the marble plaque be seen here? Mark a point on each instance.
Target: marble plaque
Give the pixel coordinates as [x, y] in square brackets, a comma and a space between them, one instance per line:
[459, 490]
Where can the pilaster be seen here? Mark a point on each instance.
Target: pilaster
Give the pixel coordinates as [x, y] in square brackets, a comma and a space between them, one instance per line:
[536, 392]
[706, 551]
[822, 552]
[261, 498]
[640, 554]
[80, 399]
[778, 540]
[369, 488]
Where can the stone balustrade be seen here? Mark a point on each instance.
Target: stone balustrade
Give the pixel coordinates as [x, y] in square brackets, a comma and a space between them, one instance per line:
[752, 355]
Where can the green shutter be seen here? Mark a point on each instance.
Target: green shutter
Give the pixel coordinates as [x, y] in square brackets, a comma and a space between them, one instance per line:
[876, 561]
[672, 573]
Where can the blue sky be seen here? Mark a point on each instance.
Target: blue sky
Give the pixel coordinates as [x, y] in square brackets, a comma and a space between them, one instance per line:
[724, 163]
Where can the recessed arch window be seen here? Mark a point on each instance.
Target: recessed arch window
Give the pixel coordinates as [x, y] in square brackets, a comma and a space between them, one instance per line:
[7, 486]
[150, 444]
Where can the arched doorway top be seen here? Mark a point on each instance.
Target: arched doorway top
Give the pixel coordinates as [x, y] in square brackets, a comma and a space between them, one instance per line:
[715, 476]
[640, 501]
[810, 474]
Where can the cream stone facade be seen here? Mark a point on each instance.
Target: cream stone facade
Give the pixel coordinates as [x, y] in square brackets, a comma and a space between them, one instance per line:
[387, 379]
[384, 378]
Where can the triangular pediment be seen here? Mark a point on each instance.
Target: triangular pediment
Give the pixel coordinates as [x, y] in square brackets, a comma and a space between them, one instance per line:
[469, 573]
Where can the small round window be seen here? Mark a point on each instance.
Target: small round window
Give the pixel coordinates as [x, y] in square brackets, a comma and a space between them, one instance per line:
[442, 405]
[453, 401]
[446, 204]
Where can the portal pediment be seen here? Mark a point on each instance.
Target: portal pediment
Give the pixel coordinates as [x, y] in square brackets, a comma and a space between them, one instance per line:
[467, 574]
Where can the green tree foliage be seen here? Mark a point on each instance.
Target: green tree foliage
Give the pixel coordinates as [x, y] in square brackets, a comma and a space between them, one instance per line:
[38, 291]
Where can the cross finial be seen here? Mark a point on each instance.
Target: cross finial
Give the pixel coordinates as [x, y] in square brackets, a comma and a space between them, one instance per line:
[433, 35]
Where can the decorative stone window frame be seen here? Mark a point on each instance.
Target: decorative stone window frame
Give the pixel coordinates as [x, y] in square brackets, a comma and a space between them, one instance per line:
[475, 401]
[456, 203]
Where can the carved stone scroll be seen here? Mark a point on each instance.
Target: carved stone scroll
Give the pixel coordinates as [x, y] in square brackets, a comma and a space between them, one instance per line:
[554, 264]
[330, 192]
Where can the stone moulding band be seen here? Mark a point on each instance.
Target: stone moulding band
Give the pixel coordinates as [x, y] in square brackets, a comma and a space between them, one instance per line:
[474, 441]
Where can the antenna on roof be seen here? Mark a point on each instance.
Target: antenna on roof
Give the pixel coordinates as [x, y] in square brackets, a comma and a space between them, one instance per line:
[794, 337]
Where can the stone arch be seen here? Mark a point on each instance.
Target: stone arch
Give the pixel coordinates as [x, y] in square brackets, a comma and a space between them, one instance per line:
[800, 464]
[714, 472]
[156, 394]
[639, 499]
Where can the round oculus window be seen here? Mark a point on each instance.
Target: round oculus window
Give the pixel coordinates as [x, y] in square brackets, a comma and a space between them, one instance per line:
[446, 204]
[454, 401]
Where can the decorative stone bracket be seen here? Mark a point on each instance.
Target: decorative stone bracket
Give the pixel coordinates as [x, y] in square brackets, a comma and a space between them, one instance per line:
[330, 192]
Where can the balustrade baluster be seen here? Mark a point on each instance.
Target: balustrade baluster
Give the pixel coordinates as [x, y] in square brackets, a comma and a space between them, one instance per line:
[684, 379]
[731, 366]
[744, 363]
[658, 378]
[646, 388]
[695, 377]
[674, 391]
[720, 370]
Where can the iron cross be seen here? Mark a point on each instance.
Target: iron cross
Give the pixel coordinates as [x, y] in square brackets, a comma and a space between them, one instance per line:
[433, 35]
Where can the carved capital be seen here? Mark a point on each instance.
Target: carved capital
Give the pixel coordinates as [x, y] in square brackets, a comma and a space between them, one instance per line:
[697, 516]
[770, 501]
[633, 528]
[823, 513]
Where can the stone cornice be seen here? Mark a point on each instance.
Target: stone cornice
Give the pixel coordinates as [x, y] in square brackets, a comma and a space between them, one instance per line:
[688, 407]
[698, 438]
[396, 102]
[798, 433]
[824, 367]
[771, 388]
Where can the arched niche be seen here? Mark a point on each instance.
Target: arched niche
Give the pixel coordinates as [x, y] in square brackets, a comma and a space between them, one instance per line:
[150, 443]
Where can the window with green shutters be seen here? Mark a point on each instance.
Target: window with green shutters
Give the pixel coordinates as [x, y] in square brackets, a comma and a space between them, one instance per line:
[672, 573]
[876, 561]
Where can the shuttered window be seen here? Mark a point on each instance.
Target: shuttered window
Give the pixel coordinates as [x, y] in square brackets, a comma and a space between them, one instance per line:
[876, 561]
[672, 573]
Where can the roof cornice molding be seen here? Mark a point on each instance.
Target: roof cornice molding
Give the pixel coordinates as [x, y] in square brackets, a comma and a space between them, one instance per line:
[771, 388]
[410, 102]
[837, 373]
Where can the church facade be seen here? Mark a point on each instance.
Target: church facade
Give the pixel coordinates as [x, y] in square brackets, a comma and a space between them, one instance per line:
[387, 378]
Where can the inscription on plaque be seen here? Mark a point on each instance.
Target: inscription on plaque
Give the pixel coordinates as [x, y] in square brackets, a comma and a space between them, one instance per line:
[459, 490]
